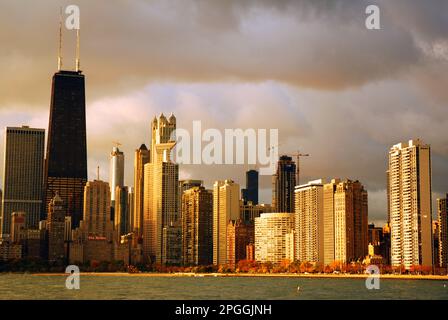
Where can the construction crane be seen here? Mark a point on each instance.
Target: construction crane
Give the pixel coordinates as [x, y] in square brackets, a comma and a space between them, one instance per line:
[298, 155]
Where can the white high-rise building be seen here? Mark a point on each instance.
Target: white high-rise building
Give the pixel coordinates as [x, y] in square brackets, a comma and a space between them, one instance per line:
[273, 237]
[226, 206]
[410, 204]
[116, 175]
[309, 223]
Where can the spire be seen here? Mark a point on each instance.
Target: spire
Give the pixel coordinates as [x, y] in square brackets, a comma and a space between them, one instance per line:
[60, 41]
[77, 51]
[98, 173]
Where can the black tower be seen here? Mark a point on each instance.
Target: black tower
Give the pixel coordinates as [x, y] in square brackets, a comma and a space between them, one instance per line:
[283, 183]
[251, 191]
[66, 160]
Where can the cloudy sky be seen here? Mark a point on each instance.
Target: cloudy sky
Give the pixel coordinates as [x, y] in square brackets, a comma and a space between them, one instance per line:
[334, 89]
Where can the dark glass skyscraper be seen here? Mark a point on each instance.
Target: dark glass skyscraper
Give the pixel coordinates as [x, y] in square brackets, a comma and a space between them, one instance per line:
[283, 184]
[251, 191]
[66, 161]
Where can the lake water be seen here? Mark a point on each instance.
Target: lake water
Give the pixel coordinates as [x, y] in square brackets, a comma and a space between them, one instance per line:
[26, 286]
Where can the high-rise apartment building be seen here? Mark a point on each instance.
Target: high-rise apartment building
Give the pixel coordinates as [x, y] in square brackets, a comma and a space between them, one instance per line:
[350, 221]
[410, 204]
[162, 225]
[226, 207]
[345, 224]
[250, 193]
[442, 214]
[271, 233]
[328, 217]
[309, 222]
[23, 175]
[283, 184]
[197, 220]
[66, 160]
[55, 229]
[141, 158]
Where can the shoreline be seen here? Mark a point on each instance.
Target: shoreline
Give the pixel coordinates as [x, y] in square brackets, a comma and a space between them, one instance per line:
[253, 275]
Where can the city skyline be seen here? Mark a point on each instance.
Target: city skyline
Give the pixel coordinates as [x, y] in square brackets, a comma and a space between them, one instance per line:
[404, 109]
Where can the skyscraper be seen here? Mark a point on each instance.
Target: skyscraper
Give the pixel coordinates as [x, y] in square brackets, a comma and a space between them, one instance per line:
[162, 226]
[116, 175]
[250, 193]
[226, 207]
[197, 226]
[328, 217]
[350, 221]
[23, 175]
[121, 220]
[309, 224]
[271, 233]
[141, 158]
[283, 184]
[410, 204]
[55, 227]
[96, 220]
[442, 214]
[66, 160]
[345, 224]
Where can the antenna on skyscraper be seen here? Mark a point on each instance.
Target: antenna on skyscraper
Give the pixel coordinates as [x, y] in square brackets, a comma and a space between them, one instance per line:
[77, 51]
[60, 41]
[98, 173]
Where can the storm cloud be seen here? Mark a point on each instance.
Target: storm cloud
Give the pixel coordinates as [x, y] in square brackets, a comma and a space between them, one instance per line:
[334, 89]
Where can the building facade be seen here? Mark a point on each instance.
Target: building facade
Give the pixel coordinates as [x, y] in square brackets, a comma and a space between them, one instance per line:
[121, 212]
[162, 224]
[226, 207]
[345, 221]
[239, 236]
[56, 229]
[442, 214]
[410, 204]
[66, 159]
[116, 174]
[271, 232]
[309, 224]
[197, 227]
[250, 211]
[283, 184]
[22, 175]
[96, 220]
[141, 158]
[250, 193]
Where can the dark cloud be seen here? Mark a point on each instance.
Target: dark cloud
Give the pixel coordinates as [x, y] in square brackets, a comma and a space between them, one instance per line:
[340, 92]
[317, 44]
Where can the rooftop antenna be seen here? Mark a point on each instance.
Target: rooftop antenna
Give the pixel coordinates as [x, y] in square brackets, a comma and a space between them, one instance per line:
[77, 51]
[60, 41]
[98, 173]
